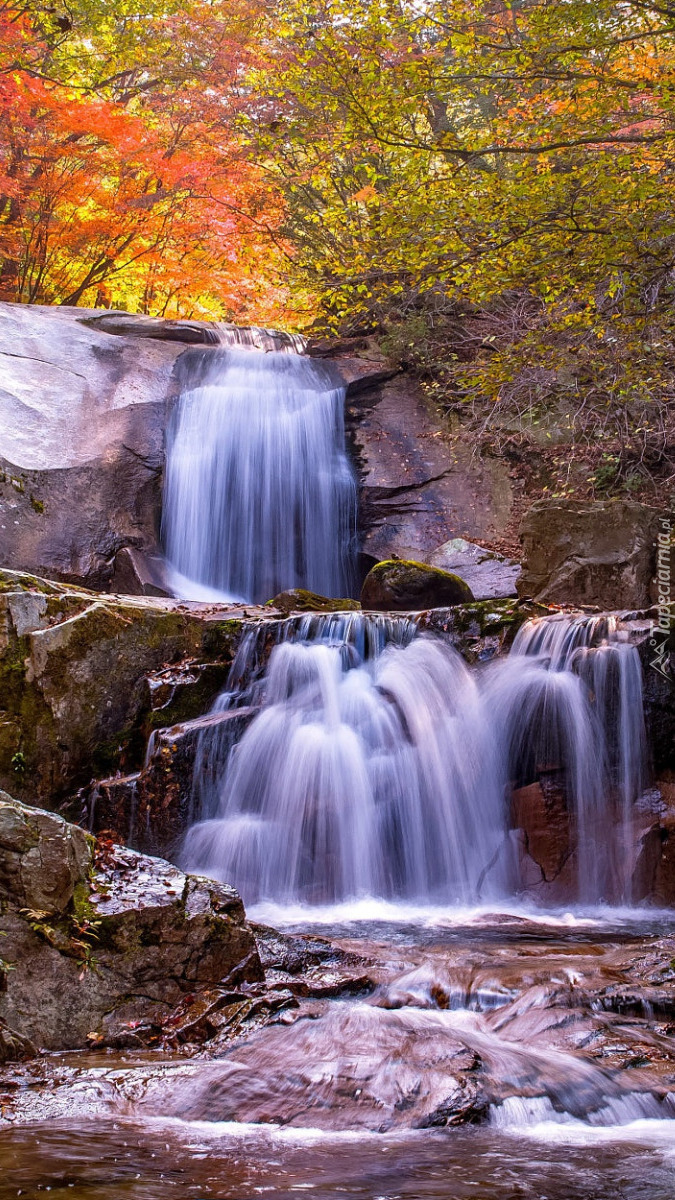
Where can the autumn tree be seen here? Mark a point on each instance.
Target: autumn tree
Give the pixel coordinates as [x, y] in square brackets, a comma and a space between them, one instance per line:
[123, 180]
[489, 184]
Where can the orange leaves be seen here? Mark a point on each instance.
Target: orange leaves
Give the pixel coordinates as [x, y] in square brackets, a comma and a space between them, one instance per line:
[122, 176]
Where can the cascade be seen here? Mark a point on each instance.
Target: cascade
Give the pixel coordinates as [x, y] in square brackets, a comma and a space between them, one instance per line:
[381, 765]
[259, 495]
[569, 702]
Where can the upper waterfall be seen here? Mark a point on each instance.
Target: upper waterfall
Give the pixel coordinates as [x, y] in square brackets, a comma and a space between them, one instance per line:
[259, 493]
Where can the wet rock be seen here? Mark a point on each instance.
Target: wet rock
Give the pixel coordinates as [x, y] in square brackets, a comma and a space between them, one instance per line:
[293, 953]
[14, 1047]
[480, 631]
[138, 574]
[399, 586]
[43, 859]
[489, 575]
[151, 810]
[658, 670]
[118, 939]
[338, 1072]
[300, 600]
[600, 553]
[79, 693]
[540, 810]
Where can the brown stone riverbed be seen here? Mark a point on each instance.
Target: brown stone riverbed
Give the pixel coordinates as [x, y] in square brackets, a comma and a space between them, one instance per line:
[474, 1056]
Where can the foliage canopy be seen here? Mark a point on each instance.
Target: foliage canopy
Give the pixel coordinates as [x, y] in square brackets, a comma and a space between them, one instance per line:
[486, 183]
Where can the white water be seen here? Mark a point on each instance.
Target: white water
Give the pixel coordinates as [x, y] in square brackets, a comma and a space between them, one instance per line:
[389, 775]
[259, 493]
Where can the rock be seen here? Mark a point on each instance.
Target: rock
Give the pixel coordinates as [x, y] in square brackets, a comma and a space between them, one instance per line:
[13, 1046]
[79, 689]
[540, 810]
[577, 553]
[398, 586]
[152, 809]
[300, 600]
[82, 415]
[489, 575]
[138, 574]
[419, 487]
[42, 858]
[658, 670]
[124, 940]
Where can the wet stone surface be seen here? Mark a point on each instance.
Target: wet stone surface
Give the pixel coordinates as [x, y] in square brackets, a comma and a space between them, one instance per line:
[496, 1055]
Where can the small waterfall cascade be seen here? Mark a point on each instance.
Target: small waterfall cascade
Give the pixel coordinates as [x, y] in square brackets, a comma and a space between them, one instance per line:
[381, 765]
[255, 337]
[360, 778]
[259, 494]
[568, 707]
[357, 637]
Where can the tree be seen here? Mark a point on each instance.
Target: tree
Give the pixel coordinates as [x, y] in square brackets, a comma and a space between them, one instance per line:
[123, 180]
[509, 161]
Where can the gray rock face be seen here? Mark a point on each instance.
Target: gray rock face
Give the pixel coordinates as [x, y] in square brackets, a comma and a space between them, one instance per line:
[418, 489]
[82, 414]
[93, 942]
[490, 576]
[601, 553]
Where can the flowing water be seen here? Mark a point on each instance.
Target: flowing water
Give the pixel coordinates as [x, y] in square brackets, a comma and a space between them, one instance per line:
[259, 494]
[451, 1041]
[380, 765]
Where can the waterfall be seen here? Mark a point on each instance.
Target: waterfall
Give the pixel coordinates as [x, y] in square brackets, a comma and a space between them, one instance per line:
[379, 764]
[568, 702]
[369, 779]
[259, 494]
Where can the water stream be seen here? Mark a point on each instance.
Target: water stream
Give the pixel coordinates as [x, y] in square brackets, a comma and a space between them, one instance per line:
[381, 765]
[492, 1056]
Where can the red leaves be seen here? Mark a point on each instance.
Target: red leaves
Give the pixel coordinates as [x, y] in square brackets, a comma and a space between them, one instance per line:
[133, 192]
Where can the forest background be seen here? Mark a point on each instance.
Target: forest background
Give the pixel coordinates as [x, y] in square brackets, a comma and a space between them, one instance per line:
[482, 190]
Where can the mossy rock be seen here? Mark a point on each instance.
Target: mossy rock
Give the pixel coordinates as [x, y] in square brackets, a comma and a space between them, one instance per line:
[399, 585]
[300, 600]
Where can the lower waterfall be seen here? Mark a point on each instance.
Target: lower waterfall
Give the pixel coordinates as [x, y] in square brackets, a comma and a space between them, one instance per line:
[389, 772]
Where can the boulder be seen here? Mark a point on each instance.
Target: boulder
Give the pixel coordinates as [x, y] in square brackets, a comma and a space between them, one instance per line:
[84, 678]
[97, 939]
[300, 600]
[399, 585]
[597, 553]
[489, 575]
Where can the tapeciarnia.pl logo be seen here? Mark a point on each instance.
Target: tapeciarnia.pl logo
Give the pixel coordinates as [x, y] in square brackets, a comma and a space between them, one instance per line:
[661, 629]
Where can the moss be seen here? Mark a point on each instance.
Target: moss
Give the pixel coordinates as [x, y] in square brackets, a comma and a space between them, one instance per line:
[37, 505]
[83, 909]
[301, 600]
[406, 585]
